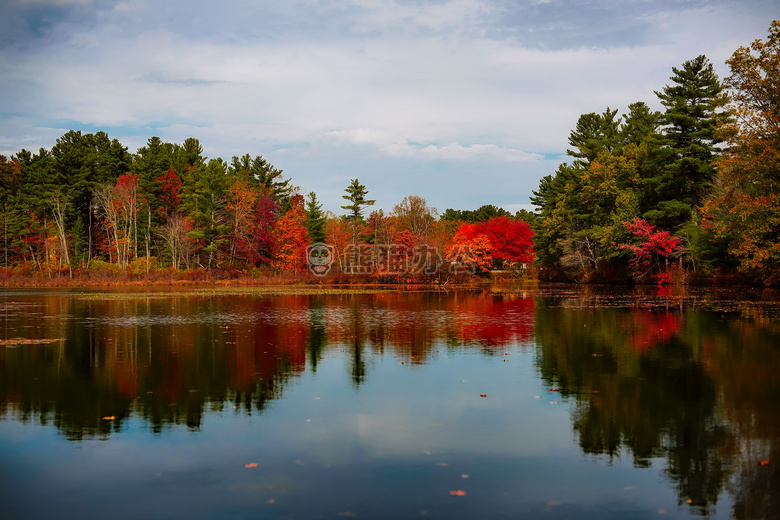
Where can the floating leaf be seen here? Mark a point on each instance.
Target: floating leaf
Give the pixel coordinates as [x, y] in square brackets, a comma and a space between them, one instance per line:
[109, 418]
[483, 395]
[251, 465]
[458, 493]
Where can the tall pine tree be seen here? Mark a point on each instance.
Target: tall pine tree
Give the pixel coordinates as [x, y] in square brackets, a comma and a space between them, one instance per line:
[695, 105]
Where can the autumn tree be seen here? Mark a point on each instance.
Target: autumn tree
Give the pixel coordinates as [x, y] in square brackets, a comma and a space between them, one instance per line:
[469, 251]
[654, 251]
[174, 235]
[240, 209]
[170, 186]
[118, 204]
[290, 237]
[59, 204]
[415, 215]
[511, 240]
[264, 240]
[744, 208]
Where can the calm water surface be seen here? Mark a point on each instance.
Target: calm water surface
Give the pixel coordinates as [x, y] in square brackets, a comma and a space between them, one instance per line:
[574, 403]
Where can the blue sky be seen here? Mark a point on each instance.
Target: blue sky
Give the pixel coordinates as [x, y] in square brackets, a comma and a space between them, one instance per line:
[464, 102]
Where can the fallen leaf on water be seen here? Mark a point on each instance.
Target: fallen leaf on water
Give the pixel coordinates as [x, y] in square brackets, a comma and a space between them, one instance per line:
[442, 464]
[270, 501]
[553, 389]
[465, 475]
[553, 402]
[109, 418]
[251, 465]
[458, 493]
[689, 501]
[483, 395]
[764, 463]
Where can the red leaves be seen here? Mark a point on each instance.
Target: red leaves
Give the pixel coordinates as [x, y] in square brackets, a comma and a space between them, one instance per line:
[656, 245]
[496, 241]
[458, 493]
[169, 184]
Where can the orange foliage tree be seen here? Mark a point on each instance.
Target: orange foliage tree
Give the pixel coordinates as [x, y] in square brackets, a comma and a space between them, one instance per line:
[240, 208]
[290, 235]
[469, 250]
[745, 205]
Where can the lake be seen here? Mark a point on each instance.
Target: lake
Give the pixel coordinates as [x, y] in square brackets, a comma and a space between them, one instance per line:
[551, 402]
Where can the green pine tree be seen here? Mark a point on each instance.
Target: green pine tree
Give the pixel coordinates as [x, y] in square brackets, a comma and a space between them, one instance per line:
[315, 219]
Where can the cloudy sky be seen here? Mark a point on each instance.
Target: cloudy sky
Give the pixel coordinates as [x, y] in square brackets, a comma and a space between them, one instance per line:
[464, 102]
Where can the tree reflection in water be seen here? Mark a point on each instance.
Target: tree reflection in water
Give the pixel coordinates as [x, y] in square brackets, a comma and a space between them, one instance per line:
[697, 389]
[692, 388]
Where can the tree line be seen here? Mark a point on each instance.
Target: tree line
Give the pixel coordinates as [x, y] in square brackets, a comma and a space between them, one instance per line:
[88, 205]
[689, 192]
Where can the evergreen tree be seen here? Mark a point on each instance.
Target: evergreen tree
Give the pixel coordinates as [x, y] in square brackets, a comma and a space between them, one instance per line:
[694, 104]
[315, 219]
[356, 194]
[261, 173]
[79, 163]
[594, 133]
[203, 201]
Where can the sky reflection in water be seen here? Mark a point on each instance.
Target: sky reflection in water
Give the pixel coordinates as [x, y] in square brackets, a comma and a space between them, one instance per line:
[372, 406]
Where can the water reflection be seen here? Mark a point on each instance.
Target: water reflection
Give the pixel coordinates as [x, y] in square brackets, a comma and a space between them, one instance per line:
[684, 383]
[169, 360]
[696, 389]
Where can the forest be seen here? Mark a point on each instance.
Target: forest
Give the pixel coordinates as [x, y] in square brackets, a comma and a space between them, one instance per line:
[684, 195]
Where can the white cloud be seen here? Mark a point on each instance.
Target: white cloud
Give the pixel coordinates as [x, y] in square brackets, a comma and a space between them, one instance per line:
[335, 90]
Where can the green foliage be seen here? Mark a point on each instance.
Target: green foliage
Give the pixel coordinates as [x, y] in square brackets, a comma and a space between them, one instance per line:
[594, 134]
[315, 219]
[485, 212]
[356, 195]
[261, 173]
[695, 108]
